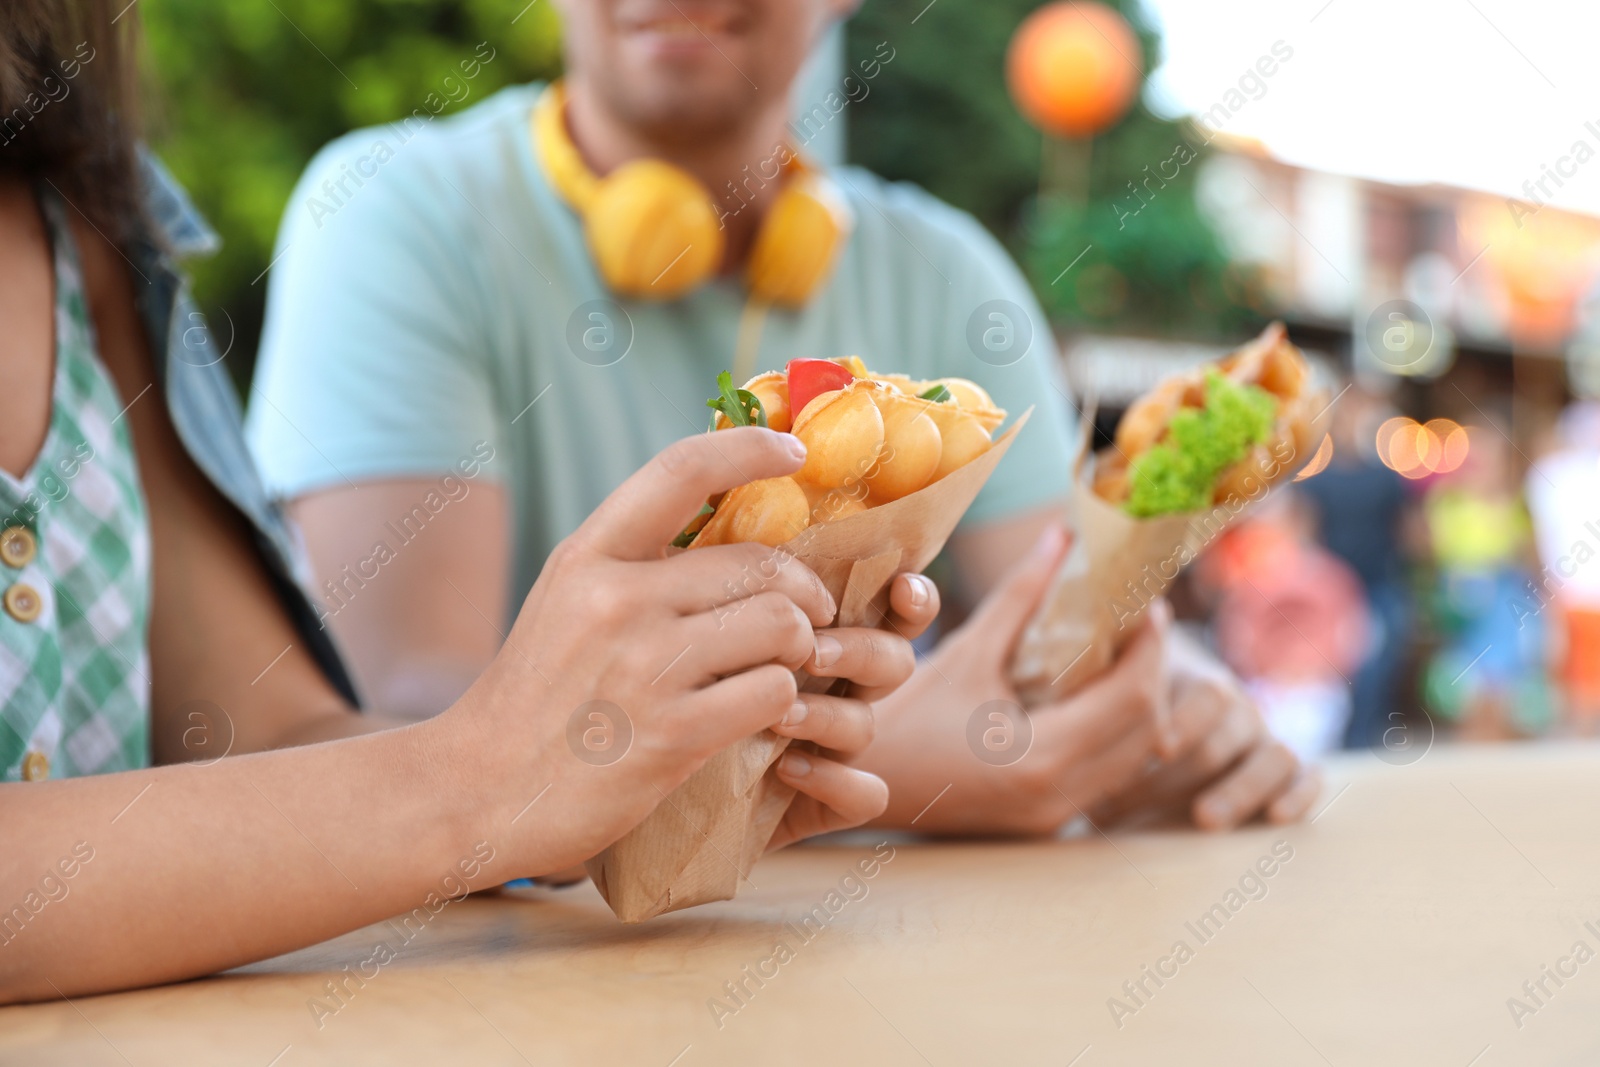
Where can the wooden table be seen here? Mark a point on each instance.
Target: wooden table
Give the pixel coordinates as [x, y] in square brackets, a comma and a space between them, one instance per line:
[1417, 903]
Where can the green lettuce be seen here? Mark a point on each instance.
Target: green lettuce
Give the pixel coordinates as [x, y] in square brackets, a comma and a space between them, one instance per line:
[1180, 473]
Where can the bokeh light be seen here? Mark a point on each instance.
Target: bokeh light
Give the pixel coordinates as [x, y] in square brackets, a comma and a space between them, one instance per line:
[1319, 460]
[1416, 450]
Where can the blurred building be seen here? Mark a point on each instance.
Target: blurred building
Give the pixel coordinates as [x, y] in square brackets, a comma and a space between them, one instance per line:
[1441, 295]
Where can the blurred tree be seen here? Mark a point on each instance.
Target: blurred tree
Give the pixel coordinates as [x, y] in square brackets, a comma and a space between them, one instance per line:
[243, 93]
[940, 116]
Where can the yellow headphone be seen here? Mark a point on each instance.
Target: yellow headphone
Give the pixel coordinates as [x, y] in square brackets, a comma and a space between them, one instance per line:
[653, 228]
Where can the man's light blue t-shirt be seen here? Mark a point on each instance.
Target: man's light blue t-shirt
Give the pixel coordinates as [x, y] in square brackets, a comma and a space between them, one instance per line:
[432, 295]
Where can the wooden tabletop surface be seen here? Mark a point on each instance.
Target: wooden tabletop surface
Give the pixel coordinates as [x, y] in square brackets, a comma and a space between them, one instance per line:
[1396, 928]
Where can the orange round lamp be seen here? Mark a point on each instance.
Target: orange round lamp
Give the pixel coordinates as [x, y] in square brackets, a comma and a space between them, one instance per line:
[1074, 67]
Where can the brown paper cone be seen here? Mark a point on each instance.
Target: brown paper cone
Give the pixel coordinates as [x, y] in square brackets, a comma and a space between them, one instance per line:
[702, 840]
[1116, 566]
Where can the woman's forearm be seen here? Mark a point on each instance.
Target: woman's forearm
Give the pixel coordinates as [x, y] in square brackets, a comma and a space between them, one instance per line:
[337, 724]
[156, 875]
[151, 876]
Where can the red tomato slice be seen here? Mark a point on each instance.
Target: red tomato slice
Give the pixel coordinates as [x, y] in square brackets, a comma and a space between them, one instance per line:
[810, 378]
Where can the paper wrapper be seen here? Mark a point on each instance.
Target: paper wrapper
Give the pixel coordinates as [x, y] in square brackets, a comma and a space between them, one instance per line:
[1116, 566]
[702, 839]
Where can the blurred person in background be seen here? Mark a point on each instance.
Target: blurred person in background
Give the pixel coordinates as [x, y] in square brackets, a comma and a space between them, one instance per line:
[430, 314]
[1563, 493]
[1291, 619]
[1489, 675]
[1359, 509]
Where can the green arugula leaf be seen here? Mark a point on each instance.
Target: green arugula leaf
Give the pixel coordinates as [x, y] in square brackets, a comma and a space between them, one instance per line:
[741, 406]
[691, 531]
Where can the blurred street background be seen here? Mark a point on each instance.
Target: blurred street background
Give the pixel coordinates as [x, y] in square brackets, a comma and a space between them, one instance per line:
[1413, 188]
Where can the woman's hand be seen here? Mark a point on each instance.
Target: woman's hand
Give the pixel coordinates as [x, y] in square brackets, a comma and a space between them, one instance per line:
[833, 795]
[627, 669]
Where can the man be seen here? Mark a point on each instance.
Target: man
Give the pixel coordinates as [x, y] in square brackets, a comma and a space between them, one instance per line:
[449, 305]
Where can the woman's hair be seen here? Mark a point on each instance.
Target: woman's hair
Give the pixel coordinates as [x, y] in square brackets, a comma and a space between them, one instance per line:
[68, 104]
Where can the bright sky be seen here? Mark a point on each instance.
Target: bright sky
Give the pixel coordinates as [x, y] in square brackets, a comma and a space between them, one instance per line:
[1478, 93]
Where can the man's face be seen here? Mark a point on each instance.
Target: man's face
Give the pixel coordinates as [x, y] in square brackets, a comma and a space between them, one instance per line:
[683, 70]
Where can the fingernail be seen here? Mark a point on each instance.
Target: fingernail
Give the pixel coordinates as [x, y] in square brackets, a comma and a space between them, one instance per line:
[797, 447]
[796, 714]
[828, 650]
[1218, 811]
[1049, 542]
[921, 590]
[796, 765]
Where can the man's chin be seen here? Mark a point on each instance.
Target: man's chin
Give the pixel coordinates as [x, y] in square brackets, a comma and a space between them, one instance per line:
[671, 112]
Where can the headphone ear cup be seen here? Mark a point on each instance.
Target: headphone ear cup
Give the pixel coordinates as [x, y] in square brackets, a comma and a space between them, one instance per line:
[653, 230]
[794, 251]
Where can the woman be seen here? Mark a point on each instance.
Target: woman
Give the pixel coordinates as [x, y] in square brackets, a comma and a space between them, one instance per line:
[150, 614]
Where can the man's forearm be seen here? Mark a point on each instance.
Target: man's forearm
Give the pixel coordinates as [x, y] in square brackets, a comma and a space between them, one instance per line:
[151, 876]
[984, 553]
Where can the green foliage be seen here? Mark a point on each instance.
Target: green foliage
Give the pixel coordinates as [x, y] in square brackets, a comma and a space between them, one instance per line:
[244, 92]
[1180, 473]
[940, 116]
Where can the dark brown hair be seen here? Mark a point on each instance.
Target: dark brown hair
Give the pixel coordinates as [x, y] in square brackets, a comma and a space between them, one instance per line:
[68, 104]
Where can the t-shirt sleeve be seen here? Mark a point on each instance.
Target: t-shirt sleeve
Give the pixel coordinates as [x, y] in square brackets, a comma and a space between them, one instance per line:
[372, 361]
[997, 335]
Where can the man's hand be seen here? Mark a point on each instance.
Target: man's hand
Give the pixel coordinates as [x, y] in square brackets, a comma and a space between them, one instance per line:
[1165, 729]
[1083, 749]
[1227, 769]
